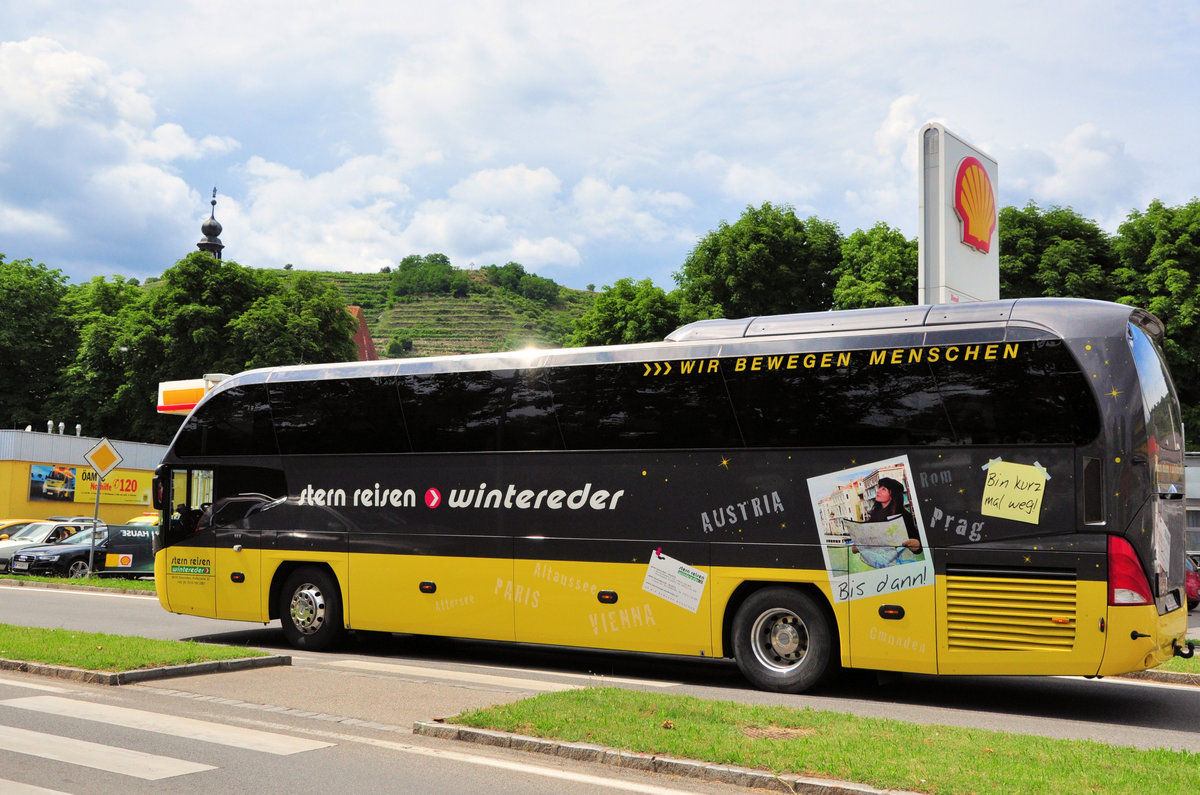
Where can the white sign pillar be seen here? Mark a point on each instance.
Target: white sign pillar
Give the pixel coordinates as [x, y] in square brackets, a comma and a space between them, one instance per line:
[959, 236]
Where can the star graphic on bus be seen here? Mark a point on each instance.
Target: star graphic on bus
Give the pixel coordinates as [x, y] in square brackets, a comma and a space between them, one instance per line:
[724, 462]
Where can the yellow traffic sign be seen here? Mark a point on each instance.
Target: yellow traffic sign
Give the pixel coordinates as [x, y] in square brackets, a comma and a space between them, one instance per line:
[103, 458]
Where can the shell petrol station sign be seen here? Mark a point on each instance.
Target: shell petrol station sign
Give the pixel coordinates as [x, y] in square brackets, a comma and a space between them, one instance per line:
[180, 397]
[959, 247]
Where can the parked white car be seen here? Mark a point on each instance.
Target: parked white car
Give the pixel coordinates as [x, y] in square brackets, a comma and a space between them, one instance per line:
[35, 534]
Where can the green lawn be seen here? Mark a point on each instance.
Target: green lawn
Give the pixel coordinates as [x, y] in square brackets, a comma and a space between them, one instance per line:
[879, 752]
[95, 651]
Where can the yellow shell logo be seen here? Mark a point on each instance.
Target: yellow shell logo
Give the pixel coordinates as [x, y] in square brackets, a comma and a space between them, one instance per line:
[975, 203]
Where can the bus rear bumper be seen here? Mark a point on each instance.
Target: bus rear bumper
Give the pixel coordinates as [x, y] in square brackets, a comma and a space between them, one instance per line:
[1139, 638]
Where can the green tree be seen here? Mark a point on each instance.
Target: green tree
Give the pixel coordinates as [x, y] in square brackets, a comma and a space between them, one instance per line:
[878, 268]
[96, 372]
[513, 277]
[1158, 255]
[627, 312]
[1055, 252]
[507, 276]
[767, 262]
[432, 273]
[304, 322]
[36, 341]
[400, 344]
[204, 316]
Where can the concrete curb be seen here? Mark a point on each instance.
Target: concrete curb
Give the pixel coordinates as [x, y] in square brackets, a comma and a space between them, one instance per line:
[143, 674]
[1170, 677]
[685, 768]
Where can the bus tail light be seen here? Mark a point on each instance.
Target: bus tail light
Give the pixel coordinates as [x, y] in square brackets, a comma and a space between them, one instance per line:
[1127, 583]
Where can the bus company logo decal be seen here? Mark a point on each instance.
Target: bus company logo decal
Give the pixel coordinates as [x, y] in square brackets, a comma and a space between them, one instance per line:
[433, 498]
[506, 497]
[975, 204]
[191, 566]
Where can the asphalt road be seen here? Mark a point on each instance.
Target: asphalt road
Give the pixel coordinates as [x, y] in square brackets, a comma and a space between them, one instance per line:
[364, 698]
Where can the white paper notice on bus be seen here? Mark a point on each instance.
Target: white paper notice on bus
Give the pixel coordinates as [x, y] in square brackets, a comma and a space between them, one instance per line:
[674, 581]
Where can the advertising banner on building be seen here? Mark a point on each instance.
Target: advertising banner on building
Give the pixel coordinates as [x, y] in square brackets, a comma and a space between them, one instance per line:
[58, 482]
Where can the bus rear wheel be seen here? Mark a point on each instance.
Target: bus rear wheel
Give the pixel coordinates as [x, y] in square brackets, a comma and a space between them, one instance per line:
[782, 641]
[310, 609]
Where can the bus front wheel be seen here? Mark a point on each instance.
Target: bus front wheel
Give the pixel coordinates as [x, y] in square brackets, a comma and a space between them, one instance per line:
[782, 640]
[310, 610]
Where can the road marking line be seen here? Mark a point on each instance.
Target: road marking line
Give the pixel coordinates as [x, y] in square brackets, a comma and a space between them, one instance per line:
[33, 686]
[124, 761]
[223, 734]
[508, 682]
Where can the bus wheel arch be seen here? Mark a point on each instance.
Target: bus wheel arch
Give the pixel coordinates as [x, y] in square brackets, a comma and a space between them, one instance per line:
[783, 637]
[307, 599]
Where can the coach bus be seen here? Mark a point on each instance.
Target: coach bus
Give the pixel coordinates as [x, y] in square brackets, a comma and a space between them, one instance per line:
[984, 488]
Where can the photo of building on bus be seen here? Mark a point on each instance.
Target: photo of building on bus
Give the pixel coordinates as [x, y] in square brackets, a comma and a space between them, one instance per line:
[984, 488]
[870, 519]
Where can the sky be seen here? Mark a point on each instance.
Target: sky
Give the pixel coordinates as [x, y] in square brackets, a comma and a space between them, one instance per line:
[587, 141]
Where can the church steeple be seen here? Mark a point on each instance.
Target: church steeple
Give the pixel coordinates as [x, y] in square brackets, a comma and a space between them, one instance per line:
[211, 229]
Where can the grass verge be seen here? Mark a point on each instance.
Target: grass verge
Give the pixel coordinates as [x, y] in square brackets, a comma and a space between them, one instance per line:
[879, 752]
[94, 651]
[113, 583]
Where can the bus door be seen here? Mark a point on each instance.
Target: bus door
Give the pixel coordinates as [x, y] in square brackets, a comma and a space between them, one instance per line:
[187, 545]
[237, 556]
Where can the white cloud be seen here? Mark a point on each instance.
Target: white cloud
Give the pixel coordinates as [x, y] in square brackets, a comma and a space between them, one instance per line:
[17, 221]
[557, 133]
[515, 186]
[755, 185]
[44, 86]
[604, 211]
[169, 142]
[1092, 166]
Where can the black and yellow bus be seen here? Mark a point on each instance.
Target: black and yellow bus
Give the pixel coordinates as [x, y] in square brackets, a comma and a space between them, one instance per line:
[985, 488]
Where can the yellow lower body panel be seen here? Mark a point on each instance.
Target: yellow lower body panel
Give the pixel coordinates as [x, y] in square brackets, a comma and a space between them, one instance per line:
[558, 602]
[463, 597]
[1126, 649]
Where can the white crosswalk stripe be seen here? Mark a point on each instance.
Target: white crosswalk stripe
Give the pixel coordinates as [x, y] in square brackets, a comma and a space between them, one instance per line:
[17, 788]
[220, 733]
[112, 759]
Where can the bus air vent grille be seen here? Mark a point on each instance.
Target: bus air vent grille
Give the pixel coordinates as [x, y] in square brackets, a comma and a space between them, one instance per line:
[1005, 614]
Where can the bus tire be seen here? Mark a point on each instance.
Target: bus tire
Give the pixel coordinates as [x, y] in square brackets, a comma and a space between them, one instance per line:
[782, 640]
[310, 610]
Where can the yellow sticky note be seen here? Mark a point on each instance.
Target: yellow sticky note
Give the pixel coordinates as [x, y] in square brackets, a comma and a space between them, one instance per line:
[1014, 491]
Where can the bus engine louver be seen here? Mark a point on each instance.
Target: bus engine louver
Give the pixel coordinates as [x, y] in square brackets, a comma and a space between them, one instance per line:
[1003, 614]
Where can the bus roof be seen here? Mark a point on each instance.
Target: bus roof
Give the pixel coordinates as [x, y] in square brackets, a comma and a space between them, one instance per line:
[1065, 317]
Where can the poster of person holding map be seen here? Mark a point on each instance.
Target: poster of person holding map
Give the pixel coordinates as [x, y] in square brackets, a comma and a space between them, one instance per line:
[870, 524]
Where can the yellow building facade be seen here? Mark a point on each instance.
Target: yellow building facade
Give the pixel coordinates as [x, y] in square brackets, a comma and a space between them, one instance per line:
[47, 474]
